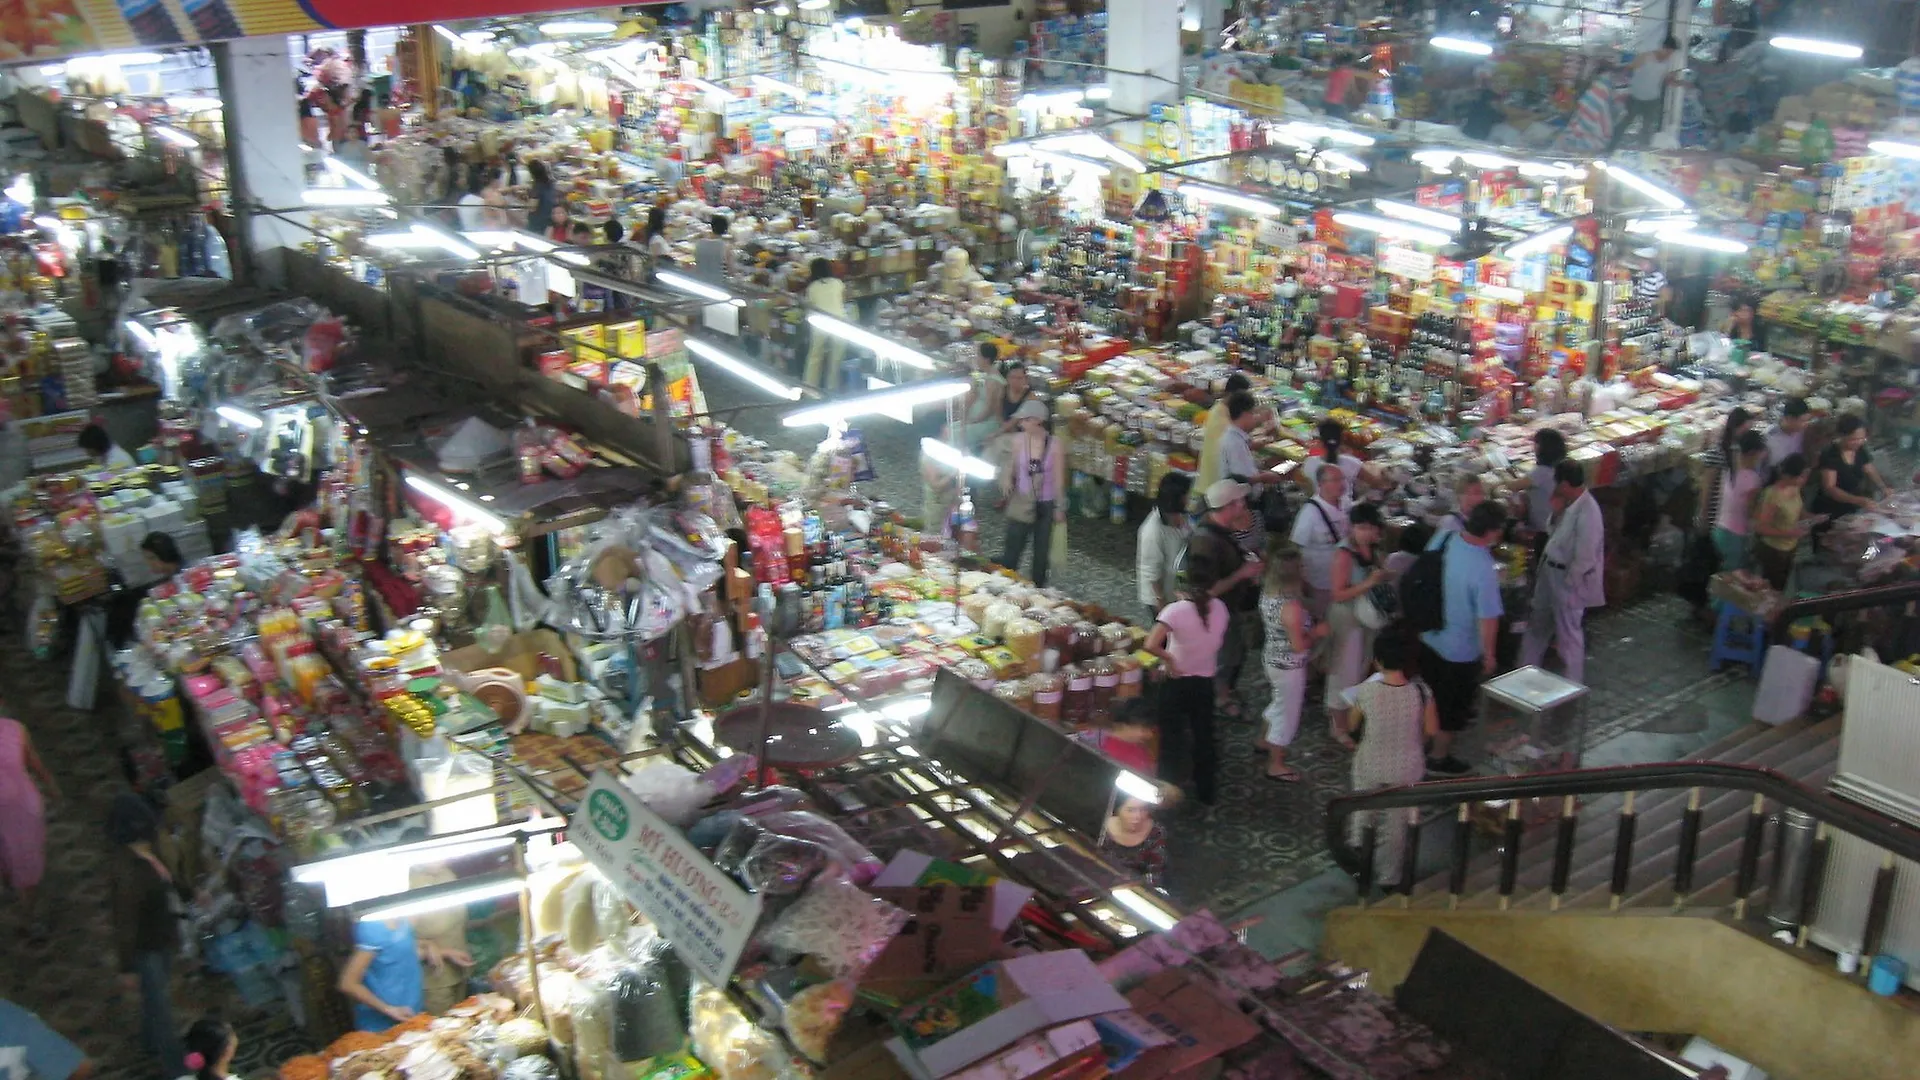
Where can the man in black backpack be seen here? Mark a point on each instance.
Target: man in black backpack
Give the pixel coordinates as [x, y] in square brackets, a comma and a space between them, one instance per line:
[1213, 554]
[1455, 657]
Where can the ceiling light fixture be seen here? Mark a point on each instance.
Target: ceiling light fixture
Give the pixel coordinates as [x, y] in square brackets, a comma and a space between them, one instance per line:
[1226, 198]
[1385, 226]
[1419, 215]
[1688, 238]
[352, 175]
[1461, 45]
[878, 345]
[958, 460]
[458, 504]
[898, 397]
[1645, 187]
[1816, 47]
[441, 897]
[1539, 242]
[741, 369]
[1894, 149]
[240, 417]
[685, 284]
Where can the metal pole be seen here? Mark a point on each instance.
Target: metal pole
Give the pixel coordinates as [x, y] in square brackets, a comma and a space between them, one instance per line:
[1792, 851]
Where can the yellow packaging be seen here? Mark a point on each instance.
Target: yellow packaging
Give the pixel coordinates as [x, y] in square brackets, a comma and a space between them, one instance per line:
[629, 338]
[1003, 661]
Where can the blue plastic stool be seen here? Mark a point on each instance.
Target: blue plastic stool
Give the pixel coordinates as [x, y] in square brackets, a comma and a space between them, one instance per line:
[1738, 637]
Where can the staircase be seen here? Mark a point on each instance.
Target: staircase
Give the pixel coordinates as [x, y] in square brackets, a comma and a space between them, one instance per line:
[1802, 751]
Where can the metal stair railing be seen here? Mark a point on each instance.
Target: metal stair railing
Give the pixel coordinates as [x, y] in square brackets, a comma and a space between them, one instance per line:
[1809, 818]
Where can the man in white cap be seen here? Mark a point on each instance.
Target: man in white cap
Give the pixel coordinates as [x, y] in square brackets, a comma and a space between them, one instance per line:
[1214, 556]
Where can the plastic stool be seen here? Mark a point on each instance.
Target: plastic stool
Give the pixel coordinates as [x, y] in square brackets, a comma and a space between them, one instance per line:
[1745, 643]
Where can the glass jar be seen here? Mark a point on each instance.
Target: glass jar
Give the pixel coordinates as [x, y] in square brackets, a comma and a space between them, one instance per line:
[1077, 707]
[1083, 642]
[1106, 683]
[1049, 696]
[1132, 676]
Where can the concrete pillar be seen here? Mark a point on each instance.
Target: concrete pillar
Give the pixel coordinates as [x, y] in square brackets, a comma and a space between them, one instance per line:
[265, 165]
[1142, 36]
[1210, 17]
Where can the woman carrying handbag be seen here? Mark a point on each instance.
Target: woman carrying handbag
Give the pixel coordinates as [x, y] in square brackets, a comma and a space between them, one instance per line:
[1034, 480]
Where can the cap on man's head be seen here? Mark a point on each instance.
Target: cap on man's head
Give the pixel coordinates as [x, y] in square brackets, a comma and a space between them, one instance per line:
[1225, 493]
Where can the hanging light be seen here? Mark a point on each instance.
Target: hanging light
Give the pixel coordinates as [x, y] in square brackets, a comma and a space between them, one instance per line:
[448, 242]
[1132, 784]
[458, 504]
[1224, 197]
[741, 369]
[446, 33]
[898, 397]
[1419, 215]
[1539, 242]
[577, 28]
[239, 417]
[685, 284]
[1131, 899]
[1894, 149]
[1389, 227]
[441, 897]
[1323, 132]
[1461, 45]
[1334, 159]
[880, 346]
[352, 175]
[1817, 47]
[1641, 226]
[1645, 187]
[1687, 238]
[175, 136]
[959, 461]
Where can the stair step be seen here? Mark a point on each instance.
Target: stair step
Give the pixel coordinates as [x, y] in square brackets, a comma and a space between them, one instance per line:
[1806, 751]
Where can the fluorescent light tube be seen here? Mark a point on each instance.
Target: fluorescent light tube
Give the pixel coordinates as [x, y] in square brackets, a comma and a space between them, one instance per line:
[813, 5]
[1099, 93]
[576, 27]
[1329, 134]
[1131, 899]
[452, 244]
[1042, 100]
[956, 459]
[1461, 45]
[446, 33]
[880, 346]
[1539, 241]
[175, 136]
[1419, 215]
[742, 370]
[1219, 196]
[921, 393]
[1134, 785]
[344, 197]
[1817, 47]
[352, 175]
[1640, 226]
[1645, 187]
[192, 102]
[240, 417]
[139, 330]
[698, 288]
[442, 897]
[1686, 238]
[1894, 149]
[458, 504]
[1389, 227]
[1343, 162]
[792, 91]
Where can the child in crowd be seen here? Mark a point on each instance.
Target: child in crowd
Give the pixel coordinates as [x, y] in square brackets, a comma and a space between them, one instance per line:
[1392, 718]
[1291, 632]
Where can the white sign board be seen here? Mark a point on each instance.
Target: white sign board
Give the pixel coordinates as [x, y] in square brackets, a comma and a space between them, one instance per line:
[702, 912]
[1407, 263]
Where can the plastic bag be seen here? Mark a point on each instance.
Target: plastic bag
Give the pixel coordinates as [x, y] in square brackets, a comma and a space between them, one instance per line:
[837, 924]
[734, 1047]
[860, 864]
[782, 865]
[646, 1016]
[1058, 545]
[815, 1014]
[669, 790]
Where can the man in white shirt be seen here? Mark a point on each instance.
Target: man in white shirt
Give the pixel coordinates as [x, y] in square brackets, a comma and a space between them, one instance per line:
[1237, 461]
[1789, 436]
[1571, 577]
[1317, 530]
[1647, 92]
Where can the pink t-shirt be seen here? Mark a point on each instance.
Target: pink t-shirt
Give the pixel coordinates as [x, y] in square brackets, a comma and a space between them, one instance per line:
[1195, 646]
[1736, 494]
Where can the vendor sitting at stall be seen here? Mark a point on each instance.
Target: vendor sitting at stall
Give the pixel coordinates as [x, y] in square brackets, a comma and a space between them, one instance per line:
[383, 978]
[1848, 480]
[106, 454]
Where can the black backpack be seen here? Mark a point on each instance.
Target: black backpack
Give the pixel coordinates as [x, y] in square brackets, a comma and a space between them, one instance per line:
[1423, 593]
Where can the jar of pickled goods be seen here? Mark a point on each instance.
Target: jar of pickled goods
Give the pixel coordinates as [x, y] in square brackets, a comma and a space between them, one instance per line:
[1049, 695]
[1132, 676]
[1084, 642]
[1116, 637]
[1026, 638]
[976, 672]
[1106, 683]
[1077, 707]
[1010, 692]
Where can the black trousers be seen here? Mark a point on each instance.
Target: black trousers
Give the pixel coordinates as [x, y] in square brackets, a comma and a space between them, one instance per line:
[1040, 531]
[1186, 733]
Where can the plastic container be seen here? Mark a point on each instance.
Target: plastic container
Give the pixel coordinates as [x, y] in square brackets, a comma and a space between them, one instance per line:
[1077, 708]
[1049, 696]
[1106, 683]
[1132, 677]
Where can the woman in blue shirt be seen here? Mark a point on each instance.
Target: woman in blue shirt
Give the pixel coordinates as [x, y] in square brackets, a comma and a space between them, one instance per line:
[383, 978]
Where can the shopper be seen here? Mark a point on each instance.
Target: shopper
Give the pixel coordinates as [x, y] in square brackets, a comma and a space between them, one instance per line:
[1392, 718]
[713, 255]
[1129, 739]
[1332, 436]
[1318, 529]
[546, 197]
[1214, 555]
[1357, 568]
[479, 207]
[23, 820]
[1650, 73]
[1161, 542]
[559, 224]
[1571, 576]
[1739, 486]
[1034, 480]
[146, 931]
[1848, 480]
[211, 1044]
[100, 447]
[1216, 428]
[612, 232]
[42, 1052]
[981, 407]
[826, 294]
[1456, 657]
[1468, 492]
[1789, 436]
[1717, 460]
[1187, 637]
[1346, 87]
[1780, 520]
[383, 978]
[1291, 632]
[655, 235]
[1133, 841]
[1549, 449]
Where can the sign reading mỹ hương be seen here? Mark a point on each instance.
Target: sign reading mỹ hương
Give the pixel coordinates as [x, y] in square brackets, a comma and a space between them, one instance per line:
[702, 913]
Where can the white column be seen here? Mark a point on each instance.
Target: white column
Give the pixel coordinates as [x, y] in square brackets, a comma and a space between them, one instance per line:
[265, 165]
[1144, 36]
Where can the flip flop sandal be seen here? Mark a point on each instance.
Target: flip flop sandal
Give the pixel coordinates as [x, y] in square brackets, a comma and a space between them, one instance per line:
[1288, 776]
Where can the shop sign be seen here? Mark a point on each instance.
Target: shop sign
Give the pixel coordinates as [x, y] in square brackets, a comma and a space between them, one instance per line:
[1278, 234]
[1407, 262]
[702, 913]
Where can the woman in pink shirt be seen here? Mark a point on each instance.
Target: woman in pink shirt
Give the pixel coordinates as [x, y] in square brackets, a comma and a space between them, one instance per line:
[23, 822]
[1740, 484]
[1187, 637]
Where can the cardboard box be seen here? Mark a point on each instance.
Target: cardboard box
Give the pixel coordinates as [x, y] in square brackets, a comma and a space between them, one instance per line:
[997, 1006]
[951, 932]
[522, 654]
[1199, 1025]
